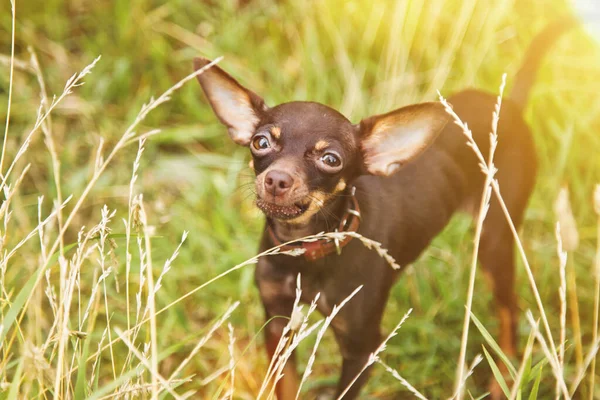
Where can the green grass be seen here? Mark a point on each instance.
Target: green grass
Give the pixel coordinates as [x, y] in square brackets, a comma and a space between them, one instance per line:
[359, 57]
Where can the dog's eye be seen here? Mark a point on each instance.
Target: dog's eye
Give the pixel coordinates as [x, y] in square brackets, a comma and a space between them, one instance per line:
[260, 143]
[331, 162]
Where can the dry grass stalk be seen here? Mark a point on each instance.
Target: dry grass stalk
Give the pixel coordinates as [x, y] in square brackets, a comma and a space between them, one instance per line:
[134, 176]
[150, 303]
[139, 217]
[18, 64]
[562, 294]
[140, 390]
[150, 367]
[70, 272]
[9, 192]
[552, 360]
[10, 82]
[231, 348]
[105, 274]
[49, 139]
[526, 354]
[586, 363]
[489, 170]
[568, 226]
[570, 240]
[476, 361]
[204, 339]
[374, 357]
[169, 262]
[43, 252]
[597, 288]
[7, 256]
[72, 83]
[336, 308]
[218, 372]
[63, 324]
[290, 342]
[496, 189]
[403, 381]
[103, 231]
[97, 359]
[293, 333]
[82, 253]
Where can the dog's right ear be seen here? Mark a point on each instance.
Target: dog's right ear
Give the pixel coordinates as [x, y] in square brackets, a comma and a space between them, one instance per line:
[389, 141]
[238, 108]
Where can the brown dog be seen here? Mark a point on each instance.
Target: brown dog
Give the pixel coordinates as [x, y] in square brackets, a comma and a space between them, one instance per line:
[396, 178]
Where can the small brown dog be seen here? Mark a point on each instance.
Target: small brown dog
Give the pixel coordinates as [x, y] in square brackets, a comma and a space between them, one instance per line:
[396, 178]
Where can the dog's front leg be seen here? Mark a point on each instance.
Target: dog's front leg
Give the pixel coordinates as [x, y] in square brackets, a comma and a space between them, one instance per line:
[358, 336]
[351, 366]
[277, 293]
[288, 385]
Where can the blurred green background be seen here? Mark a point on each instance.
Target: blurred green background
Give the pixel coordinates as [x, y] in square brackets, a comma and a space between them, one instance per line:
[358, 56]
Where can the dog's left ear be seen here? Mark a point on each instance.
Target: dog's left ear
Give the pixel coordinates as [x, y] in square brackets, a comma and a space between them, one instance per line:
[389, 141]
[238, 108]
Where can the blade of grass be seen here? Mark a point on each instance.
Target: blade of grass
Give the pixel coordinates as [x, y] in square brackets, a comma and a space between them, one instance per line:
[13, 392]
[492, 343]
[524, 369]
[497, 374]
[536, 385]
[81, 382]
[550, 355]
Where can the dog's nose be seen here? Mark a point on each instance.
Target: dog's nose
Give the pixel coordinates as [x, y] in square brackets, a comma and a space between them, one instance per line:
[278, 182]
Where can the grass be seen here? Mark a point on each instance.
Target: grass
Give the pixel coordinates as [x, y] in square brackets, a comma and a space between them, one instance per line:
[359, 57]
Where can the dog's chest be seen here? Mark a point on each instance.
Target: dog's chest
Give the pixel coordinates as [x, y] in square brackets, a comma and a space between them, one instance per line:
[279, 282]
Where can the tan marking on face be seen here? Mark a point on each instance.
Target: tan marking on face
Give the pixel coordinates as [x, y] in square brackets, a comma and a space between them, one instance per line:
[340, 186]
[251, 164]
[317, 201]
[321, 145]
[276, 132]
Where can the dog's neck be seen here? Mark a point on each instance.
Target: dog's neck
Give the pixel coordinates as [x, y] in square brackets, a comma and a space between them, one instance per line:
[325, 220]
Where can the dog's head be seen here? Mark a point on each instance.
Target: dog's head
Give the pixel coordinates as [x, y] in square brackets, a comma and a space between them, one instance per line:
[304, 153]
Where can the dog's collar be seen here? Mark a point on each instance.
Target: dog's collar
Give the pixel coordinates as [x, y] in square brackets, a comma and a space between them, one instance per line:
[322, 247]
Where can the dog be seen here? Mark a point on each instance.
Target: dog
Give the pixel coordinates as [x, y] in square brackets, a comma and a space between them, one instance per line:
[396, 178]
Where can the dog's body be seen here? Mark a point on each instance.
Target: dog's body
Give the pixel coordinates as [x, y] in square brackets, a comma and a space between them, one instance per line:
[308, 158]
[405, 212]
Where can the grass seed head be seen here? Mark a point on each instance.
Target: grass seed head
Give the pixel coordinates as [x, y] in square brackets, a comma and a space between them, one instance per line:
[568, 226]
